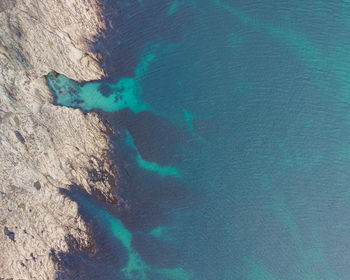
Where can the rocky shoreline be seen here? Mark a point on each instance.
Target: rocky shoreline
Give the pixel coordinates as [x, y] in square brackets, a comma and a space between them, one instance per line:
[43, 147]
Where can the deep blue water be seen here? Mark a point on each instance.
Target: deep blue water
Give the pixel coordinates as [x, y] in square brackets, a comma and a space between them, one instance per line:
[232, 141]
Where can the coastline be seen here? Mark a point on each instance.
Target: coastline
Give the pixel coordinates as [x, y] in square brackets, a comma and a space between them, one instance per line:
[45, 148]
[219, 121]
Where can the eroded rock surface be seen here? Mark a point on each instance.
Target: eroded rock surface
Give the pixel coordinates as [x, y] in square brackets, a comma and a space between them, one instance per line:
[44, 147]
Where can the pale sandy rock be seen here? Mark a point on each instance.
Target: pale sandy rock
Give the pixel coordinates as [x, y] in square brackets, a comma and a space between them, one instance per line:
[44, 147]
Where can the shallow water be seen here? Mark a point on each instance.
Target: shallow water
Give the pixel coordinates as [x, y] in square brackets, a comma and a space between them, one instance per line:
[232, 141]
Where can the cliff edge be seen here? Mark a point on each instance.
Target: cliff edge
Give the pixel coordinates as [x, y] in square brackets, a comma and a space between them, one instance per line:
[44, 147]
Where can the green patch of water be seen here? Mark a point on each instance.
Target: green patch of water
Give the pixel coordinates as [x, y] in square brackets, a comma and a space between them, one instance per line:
[175, 274]
[144, 64]
[257, 271]
[307, 50]
[174, 7]
[152, 166]
[125, 94]
[162, 233]
[189, 119]
[136, 268]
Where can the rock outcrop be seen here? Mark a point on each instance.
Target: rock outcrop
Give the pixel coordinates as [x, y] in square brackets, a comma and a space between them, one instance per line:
[44, 147]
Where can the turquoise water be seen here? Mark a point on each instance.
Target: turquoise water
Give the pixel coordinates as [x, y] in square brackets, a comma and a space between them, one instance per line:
[232, 143]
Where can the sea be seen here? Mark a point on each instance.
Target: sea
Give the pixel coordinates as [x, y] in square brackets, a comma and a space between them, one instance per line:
[232, 141]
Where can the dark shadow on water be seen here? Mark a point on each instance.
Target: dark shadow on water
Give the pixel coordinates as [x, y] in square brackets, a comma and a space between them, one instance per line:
[107, 255]
[206, 128]
[156, 139]
[146, 200]
[155, 252]
[81, 266]
[105, 89]
[131, 25]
